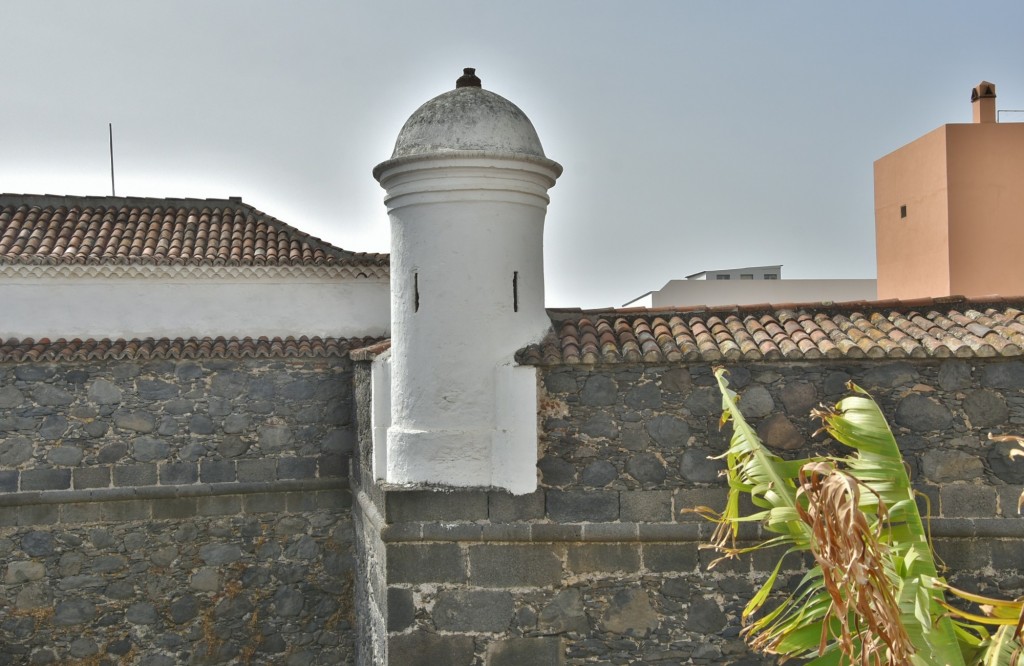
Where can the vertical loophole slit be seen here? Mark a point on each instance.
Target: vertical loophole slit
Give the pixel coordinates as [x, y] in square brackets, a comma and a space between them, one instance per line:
[515, 291]
[416, 292]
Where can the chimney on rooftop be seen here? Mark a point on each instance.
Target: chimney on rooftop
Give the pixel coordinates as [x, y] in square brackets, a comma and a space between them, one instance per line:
[983, 102]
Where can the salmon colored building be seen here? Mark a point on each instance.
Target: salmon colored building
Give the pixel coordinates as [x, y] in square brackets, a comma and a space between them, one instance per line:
[949, 209]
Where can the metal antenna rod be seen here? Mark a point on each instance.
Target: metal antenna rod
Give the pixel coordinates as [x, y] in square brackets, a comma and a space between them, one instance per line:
[110, 126]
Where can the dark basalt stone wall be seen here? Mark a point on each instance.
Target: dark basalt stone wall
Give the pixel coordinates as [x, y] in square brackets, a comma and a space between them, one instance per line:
[600, 565]
[176, 512]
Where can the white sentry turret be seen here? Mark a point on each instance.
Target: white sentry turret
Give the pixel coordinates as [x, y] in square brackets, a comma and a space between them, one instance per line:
[466, 195]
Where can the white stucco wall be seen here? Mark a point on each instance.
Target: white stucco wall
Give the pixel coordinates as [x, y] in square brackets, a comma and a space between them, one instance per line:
[682, 293]
[156, 305]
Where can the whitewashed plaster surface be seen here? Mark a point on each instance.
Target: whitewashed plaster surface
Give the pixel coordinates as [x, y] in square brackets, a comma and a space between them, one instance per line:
[467, 282]
[92, 303]
[681, 293]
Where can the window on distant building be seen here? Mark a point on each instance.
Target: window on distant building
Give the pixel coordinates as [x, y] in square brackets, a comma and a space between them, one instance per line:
[746, 276]
[721, 277]
[903, 211]
[771, 276]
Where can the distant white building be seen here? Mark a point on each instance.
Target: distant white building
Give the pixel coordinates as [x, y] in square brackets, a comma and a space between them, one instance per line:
[750, 285]
[747, 273]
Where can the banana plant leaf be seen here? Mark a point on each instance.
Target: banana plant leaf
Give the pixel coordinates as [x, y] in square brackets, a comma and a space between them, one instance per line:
[870, 597]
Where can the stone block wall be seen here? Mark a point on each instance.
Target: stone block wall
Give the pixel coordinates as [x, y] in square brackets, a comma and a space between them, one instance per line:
[600, 565]
[173, 512]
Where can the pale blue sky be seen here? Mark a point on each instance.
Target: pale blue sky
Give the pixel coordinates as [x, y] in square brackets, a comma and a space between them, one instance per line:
[694, 135]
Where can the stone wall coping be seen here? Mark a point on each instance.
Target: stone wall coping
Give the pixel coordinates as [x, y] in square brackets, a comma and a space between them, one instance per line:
[170, 492]
[627, 532]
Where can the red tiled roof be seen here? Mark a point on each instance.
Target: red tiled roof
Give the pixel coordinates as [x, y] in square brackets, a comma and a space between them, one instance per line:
[179, 348]
[45, 229]
[927, 328]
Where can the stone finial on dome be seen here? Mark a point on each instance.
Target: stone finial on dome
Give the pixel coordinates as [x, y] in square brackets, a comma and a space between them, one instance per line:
[469, 79]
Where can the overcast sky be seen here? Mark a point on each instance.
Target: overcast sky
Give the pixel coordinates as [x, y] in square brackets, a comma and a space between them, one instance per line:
[694, 135]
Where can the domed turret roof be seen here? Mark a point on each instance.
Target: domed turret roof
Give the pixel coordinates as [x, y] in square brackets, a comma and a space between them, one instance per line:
[468, 118]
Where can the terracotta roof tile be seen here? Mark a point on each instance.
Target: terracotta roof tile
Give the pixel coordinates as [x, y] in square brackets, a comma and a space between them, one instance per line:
[17, 351]
[45, 229]
[922, 328]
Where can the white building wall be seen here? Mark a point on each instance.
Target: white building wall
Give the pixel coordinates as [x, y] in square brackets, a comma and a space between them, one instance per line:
[83, 306]
[683, 293]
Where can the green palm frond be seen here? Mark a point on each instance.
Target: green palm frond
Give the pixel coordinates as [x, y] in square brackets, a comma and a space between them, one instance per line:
[869, 597]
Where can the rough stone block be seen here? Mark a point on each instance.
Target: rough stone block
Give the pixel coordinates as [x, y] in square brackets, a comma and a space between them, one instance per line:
[8, 481]
[91, 477]
[334, 499]
[599, 474]
[333, 464]
[778, 432]
[631, 613]
[942, 466]
[264, 503]
[136, 421]
[14, 450]
[506, 508]
[134, 475]
[46, 394]
[954, 374]
[556, 472]
[425, 505]
[73, 612]
[668, 431]
[690, 498]
[256, 470]
[46, 479]
[296, 468]
[127, 511]
[705, 617]
[217, 471]
[1005, 468]
[646, 468]
[599, 391]
[985, 408]
[178, 507]
[10, 397]
[603, 557]
[441, 531]
[670, 557]
[922, 414]
[577, 506]
[473, 610]
[81, 512]
[178, 474]
[652, 506]
[150, 449]
[420, 648]
[547, 650]
[1006, 555]
[425, 563]
[960, 554]
[401, 611]
[699, 465]
[219, 505]
[513, 565]
[35, 514]
[1005, 375]
[967, 500]
[1009, 497]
